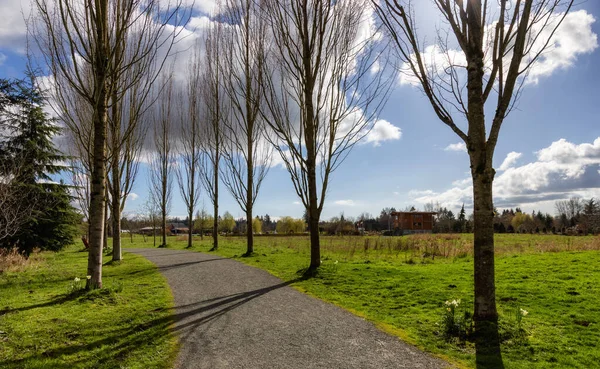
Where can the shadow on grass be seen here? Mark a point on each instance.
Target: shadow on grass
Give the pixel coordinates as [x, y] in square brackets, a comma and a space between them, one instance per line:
[57, 300]
[111, 350]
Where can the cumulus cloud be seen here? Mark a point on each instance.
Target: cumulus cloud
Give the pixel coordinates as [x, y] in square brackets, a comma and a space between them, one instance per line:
[13, 30]
[383, 131]
[459, 146]
[573, 37]
[510, 159]
[345, 202]
[562, 170]
[133, 196]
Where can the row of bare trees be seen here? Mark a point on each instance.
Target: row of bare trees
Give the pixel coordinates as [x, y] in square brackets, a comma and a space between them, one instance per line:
[104, 58]
[304, 78]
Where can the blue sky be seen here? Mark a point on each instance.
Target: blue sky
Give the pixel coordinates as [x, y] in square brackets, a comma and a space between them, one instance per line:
[555, 129]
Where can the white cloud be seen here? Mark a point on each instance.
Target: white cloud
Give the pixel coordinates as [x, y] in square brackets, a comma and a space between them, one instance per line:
[345, 202]
[510, 159]
[383, 131]
[297, 203]
[459, 146]
[562, 170]
[396, 193]
[12, 28]
[437, 62]
[2, 59]
[572, 38]
[133, 196]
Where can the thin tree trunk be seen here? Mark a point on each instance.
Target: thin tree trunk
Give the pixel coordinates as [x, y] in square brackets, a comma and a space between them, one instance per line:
[164, 228]
[215, 232]
[105, 239]
[249, 194]
[191, 222]
[315, 243]
[116, 211]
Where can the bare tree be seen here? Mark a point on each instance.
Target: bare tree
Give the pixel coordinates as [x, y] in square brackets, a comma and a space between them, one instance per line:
[161, 168]
[499, 41]
[572, 207]
[16, 202]
[321, 95]
[190, 150]
[247, 159]
[217, 110]
[80, 43]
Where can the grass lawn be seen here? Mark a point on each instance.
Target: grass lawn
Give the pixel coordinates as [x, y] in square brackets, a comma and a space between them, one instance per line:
[401, 283]
[46, 321]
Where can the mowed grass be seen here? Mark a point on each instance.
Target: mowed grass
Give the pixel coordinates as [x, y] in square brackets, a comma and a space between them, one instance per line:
[401, 283]
[45, 324]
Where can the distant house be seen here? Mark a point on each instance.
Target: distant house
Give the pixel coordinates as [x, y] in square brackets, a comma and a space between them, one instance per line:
[412, 222]
[147, 230]
[177, 228]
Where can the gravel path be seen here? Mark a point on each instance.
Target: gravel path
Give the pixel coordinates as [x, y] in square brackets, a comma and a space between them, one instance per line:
[230, 315]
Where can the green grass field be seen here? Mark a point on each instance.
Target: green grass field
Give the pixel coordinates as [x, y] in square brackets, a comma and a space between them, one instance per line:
[401, 284]
[46, 321]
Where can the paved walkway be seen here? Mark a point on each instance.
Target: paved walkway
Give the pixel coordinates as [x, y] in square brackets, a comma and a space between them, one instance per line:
[230, 315]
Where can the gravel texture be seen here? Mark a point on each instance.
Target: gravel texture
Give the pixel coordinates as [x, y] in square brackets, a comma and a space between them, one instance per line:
[230, 315]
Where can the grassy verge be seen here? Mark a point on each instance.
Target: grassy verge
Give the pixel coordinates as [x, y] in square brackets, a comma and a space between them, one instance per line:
[48, 321]
[403, 291]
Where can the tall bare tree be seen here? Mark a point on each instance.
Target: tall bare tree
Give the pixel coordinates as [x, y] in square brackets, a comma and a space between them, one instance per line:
[190, 150]
[498, 43]
[79, 42]
[16, 202]
[247, 159]
[161, 167]
[322, 94]
[216, 112]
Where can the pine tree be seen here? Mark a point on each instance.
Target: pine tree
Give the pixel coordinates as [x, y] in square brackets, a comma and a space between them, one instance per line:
[53, 222]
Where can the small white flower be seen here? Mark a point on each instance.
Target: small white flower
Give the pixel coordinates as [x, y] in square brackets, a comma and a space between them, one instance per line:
[89, 277]
[524, 312]
[76, 279]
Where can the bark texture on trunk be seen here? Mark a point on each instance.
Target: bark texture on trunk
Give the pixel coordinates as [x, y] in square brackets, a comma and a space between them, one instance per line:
[487, 338]
[116, 212]
[100, 120]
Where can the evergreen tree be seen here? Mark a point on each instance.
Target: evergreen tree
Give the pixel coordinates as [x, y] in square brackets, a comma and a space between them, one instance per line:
[53, 223]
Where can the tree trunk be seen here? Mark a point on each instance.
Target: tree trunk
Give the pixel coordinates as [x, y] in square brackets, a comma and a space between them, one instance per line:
[98, 175]
[163, 222]
[190, 222]
[487, 340]
[249, 233]
[105, 239]
[116, 210]
[313, 215]
[215, 232]
[249, 194]
[100, 118]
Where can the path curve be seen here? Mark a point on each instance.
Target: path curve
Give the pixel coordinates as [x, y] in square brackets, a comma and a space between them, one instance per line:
[231, 315]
